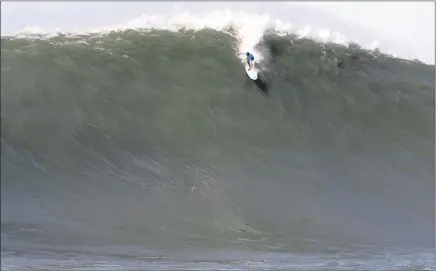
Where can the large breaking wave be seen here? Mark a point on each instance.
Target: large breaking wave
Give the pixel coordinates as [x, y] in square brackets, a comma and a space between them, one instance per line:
[158, 139]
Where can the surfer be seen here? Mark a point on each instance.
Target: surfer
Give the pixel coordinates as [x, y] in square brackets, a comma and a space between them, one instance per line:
[250, 59]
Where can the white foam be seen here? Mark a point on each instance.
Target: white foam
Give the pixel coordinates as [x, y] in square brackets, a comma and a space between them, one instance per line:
[31, 30]
[249, 27]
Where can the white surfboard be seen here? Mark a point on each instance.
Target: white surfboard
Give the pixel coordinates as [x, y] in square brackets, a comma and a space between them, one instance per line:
[252, 73]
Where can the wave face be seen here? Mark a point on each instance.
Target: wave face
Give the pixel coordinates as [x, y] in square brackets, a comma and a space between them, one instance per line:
[153, 140]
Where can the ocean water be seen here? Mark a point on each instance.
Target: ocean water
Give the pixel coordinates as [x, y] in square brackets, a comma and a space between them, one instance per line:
[150, 148]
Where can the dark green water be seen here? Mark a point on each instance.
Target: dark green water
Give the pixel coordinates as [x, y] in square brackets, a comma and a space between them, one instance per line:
[141, 143]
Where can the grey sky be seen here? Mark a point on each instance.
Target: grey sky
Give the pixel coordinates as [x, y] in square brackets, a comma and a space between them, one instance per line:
[404, 28]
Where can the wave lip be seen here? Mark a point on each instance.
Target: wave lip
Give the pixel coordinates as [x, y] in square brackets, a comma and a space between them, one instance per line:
[250, 21]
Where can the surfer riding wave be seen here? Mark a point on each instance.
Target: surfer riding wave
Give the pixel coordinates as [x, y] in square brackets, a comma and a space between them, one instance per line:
[250, 60]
